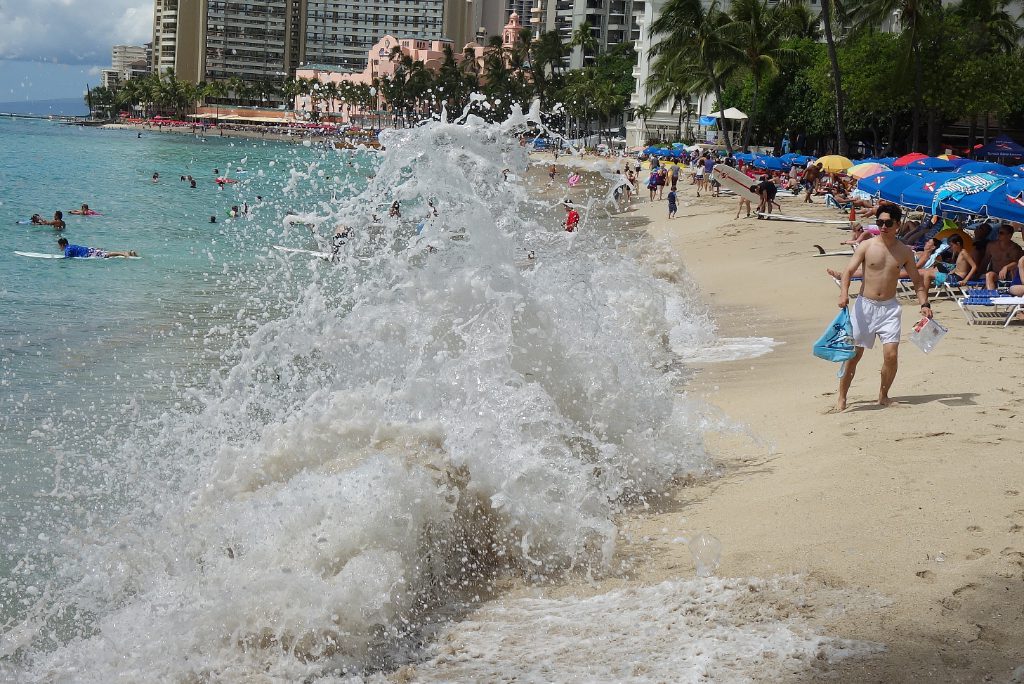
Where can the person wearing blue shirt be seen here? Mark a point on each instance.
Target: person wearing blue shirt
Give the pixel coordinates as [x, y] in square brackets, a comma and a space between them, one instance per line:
[80, 252]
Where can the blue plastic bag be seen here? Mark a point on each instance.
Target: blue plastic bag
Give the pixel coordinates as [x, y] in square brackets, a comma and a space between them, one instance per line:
[836, 344]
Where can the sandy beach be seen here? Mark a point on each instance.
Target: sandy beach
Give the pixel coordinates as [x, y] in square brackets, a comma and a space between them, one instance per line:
[905, 525]
[262, 133]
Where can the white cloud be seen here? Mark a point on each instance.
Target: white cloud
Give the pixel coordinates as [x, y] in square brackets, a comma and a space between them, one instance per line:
[72, 31]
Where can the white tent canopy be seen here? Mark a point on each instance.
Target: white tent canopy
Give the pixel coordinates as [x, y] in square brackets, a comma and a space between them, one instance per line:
[730, 113]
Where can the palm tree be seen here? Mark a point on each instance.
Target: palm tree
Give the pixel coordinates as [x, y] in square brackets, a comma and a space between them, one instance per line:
[756, 33]
[669, 83]
[828, 15]
[583, 38]
[694, 35]
[643, 112]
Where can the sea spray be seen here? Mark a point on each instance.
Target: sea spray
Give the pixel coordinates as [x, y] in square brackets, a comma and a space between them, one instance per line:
[388, 434]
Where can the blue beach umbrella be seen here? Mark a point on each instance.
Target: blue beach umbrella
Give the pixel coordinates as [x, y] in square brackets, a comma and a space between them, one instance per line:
[744, 156]
[966, 193]
[1005, 202]
[885, 160]
[919, 195]
[770, 163]
[930, 164]
[888, 185]
[986, 167]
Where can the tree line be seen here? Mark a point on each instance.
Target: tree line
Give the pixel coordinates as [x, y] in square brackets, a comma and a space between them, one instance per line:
[576, 99]
[890, 75]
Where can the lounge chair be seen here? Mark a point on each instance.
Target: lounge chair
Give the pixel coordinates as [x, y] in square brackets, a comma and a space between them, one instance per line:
[990, 307]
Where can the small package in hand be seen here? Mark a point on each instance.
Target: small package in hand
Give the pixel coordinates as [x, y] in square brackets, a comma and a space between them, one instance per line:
[927, 333]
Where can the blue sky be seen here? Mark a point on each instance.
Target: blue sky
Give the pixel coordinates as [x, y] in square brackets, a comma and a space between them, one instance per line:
[51, 48]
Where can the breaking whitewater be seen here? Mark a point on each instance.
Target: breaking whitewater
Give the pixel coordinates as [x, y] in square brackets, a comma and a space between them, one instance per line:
[454, 404]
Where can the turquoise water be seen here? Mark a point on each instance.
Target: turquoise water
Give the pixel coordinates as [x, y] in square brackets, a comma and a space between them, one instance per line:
[92, 347]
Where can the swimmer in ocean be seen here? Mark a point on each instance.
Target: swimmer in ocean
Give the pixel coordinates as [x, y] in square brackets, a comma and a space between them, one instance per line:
[80, 252]
[57, 222]
[84, 211]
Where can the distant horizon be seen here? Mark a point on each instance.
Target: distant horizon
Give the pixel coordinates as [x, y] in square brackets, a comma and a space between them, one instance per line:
[71, 106]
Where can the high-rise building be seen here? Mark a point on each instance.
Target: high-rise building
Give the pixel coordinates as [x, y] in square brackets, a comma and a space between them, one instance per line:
[466, 21]
[122, 57]
[339, 32]
[252, 41]
[179, 33]
[267, 39]
[612, 22]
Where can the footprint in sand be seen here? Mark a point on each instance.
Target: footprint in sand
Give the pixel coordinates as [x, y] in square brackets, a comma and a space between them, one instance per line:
[1011, 492]
[966, 587]
[926, 575]
[1015, 528]
[975, 554]
[974, 528]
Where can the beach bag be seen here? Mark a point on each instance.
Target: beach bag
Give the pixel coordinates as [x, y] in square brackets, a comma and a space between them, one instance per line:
[836, 344]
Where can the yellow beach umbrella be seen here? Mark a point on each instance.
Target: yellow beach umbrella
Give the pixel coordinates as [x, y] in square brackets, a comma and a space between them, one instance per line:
[834, 163]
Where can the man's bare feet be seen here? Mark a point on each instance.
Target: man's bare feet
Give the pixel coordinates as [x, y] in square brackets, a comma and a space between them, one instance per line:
[885, 401]
[840, 405]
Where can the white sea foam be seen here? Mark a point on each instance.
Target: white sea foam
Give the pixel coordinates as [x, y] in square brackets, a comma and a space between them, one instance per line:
[386, 436]
[706, 630]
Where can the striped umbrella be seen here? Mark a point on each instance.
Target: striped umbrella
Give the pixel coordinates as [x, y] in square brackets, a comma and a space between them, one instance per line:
[866, 169]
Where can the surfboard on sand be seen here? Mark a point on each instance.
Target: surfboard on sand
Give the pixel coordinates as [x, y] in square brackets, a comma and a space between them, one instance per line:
[801, 219]
[39, 255]
[737, 181]
[823, 253]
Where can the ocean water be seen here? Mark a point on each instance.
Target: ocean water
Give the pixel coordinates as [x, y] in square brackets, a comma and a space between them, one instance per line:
[220, 462]
[70, 106]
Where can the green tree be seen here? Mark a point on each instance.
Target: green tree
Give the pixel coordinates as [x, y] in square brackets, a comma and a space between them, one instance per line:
[756, 33]
[914, 18]
[691, 35]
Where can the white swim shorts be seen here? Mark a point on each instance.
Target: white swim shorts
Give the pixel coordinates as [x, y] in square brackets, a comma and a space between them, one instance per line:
[872, 318]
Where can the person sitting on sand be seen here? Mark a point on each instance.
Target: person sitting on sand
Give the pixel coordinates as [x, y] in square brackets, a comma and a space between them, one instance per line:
[1001, 257]
[859, 233]
[80, 252]
[57, 222]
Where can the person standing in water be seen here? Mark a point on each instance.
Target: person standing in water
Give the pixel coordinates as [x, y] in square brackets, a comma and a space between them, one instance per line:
[57, 222]
[572, 217]
[876, 312]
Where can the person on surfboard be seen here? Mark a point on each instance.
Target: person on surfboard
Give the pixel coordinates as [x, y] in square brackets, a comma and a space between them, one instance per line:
[80, 252]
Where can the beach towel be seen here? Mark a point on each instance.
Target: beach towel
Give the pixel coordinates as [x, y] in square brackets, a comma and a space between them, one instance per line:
[836, 343]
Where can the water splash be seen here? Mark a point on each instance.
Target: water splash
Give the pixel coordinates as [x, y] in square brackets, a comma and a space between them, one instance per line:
[384, 437]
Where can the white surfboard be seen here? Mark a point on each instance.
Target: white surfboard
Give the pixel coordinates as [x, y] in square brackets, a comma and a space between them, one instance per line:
[801, 219]
[733, 179]
[39, 255]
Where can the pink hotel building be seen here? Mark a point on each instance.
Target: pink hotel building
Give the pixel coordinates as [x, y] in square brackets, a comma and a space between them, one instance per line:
[381, 66]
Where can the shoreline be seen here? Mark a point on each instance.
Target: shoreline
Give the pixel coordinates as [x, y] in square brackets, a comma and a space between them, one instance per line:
[905, 524]
[215, 132]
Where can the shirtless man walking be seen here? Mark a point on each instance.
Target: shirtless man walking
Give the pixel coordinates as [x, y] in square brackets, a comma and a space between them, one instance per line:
[876, 311]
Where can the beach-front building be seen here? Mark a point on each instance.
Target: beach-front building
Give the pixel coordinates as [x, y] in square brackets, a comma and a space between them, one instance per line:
[612, 22]
[382, 62]
[663, 123]
[179, 31]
